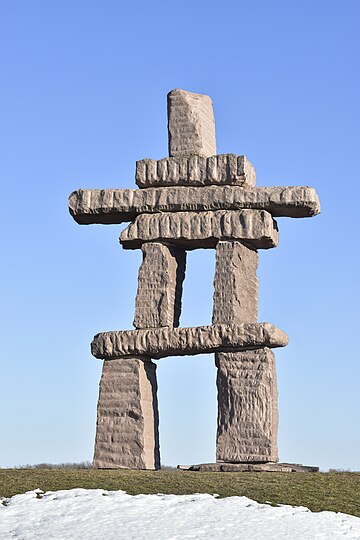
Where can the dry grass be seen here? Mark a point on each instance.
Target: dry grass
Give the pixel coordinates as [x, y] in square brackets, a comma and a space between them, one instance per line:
[336, 491]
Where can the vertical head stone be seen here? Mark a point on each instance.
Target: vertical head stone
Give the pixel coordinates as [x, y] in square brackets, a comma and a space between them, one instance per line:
[191, 124]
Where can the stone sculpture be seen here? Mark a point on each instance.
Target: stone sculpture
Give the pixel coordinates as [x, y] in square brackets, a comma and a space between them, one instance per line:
[193, 199]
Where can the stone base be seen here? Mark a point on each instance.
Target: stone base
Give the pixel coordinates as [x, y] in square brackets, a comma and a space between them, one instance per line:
[249, 467]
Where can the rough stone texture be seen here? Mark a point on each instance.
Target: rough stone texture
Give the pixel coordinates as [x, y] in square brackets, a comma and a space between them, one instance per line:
[195, 171]
[161, 275]
[247, 407]
[235, 284]
[121, 205]
[127, 418]
[191, 124]
[162, 342]
[250, 467]
[193, 230]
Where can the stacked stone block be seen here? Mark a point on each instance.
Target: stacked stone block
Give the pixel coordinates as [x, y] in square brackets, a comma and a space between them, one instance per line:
[161, 275]
[127, 416]
[235, 284]
[195, 171]
[191, 124]
[247, 407]
[189, 200]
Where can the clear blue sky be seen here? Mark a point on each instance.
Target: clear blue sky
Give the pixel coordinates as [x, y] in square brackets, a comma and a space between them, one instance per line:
[82, 97]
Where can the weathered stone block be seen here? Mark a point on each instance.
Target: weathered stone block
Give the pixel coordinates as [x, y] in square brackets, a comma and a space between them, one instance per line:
[161, 275]
[127, 417]
[235, 284]
[119, 205]
[195, 171]
[193, 230]
[191, 124]
[247, 407]
[162, 342]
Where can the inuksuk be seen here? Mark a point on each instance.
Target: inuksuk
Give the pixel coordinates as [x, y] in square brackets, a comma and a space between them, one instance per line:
[190, 200]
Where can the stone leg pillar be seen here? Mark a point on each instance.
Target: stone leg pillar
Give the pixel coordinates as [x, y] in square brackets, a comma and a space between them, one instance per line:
[246, 381]
[161, 276]
[235, 284]
[247, 406]
[127, 416]
[127, 433]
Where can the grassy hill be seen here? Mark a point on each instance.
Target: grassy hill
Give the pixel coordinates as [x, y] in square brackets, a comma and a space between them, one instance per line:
[336, 491]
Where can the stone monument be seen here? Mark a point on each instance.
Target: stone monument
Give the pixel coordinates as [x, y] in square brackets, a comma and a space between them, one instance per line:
[192, 199]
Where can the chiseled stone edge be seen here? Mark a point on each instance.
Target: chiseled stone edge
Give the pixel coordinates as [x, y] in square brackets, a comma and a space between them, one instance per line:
[195, 171]
[161, 342]
[111, 206]
[194, 230]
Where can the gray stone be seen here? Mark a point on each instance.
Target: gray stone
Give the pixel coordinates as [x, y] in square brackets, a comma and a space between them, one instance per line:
[162, 342]
[249, 467]
[191, 124]
[127, 418]
[121, 205]
[235, 284]
[161, 275]
[195, 171]
[247, 407]
[193, 230]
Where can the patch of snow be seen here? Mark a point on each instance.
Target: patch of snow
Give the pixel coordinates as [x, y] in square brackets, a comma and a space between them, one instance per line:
[92, 514]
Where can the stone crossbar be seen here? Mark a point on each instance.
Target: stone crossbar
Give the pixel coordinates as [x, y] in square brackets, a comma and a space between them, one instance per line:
[193, 230]
[110, 206]
[161, 342]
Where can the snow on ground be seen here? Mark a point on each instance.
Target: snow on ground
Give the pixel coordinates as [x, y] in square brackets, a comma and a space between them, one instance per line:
[84, 514]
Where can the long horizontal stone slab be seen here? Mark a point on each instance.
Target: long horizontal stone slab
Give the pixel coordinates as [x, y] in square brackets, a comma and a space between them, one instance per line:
[161, 342]
[192, 230]
[110, 206]
[195, 171]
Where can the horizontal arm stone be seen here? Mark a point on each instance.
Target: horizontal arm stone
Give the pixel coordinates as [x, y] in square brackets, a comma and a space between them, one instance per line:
[161, 342]
[192, 230]
[110, 206]
[195, 171]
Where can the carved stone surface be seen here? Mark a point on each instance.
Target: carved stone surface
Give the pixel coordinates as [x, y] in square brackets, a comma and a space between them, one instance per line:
[193, 230]
[127, 418]
[161, 275]
[195, 171]
[162, 342]
[247, 407]
[191, 124]
[235, 284]
[121, 205]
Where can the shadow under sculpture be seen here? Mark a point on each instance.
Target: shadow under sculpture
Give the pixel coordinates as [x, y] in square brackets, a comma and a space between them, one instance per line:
[189, 200]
